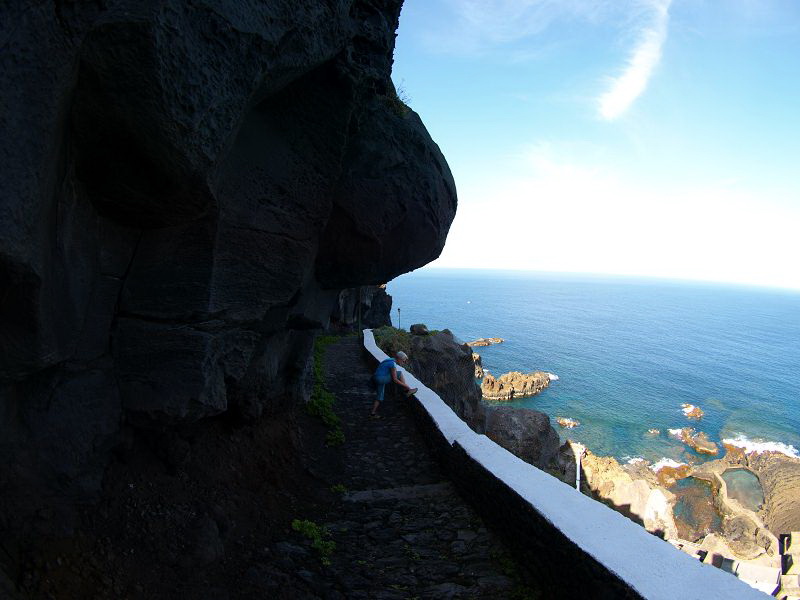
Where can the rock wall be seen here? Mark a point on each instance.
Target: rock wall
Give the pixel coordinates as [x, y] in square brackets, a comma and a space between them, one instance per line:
[186, 189]
[373, 301]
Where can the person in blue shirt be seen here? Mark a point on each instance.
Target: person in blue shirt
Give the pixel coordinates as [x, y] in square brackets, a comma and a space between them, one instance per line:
[387, 372]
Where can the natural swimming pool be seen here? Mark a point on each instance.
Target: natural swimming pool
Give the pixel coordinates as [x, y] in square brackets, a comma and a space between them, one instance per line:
[744, 486]
[694, 510]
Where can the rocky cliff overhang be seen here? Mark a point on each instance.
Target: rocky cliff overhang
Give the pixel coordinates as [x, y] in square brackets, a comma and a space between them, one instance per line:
[185, 189]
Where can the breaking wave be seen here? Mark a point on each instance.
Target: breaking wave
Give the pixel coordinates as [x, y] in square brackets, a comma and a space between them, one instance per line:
[665, 462]
[748, 445]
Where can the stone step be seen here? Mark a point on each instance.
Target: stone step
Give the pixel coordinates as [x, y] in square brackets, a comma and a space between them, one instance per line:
[408, 492]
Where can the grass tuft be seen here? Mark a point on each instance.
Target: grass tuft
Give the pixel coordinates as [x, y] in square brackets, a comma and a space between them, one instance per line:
[321, 403]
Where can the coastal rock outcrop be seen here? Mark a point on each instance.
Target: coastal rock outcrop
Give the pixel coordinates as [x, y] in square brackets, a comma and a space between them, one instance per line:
[476, 359]
[567, 422]
[691, 411]
[186, 190]
[419, 329]
[638, 498]
[446, 366]
[514, 385]
[525, 433]
[696, 440]
[484, 342]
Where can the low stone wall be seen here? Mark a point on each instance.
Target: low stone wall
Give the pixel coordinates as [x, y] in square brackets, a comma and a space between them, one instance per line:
[572, 544]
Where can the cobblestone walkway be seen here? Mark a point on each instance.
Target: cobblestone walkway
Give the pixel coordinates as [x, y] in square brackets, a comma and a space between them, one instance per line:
[401, 530]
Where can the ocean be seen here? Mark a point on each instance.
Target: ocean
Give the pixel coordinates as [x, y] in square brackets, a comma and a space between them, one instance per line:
[628, 352]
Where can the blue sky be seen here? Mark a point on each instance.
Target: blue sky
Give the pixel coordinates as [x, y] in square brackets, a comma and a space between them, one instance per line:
[638, 137]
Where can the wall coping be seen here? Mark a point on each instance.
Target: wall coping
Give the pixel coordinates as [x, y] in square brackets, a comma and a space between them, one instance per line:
[649, 565]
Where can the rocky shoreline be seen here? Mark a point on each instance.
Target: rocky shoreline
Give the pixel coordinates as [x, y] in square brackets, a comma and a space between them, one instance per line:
[649, 494]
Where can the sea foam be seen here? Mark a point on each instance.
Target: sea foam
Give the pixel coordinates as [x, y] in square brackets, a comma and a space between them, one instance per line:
[740, 441]
[666, 462]
[552, 376]
[634, 460]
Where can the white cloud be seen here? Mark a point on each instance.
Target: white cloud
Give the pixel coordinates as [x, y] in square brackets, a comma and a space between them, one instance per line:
[569, 217]
[478, 26]
[632, 82]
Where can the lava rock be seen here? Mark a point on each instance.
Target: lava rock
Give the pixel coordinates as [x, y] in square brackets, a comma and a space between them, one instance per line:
[525, 433]
[186, 189]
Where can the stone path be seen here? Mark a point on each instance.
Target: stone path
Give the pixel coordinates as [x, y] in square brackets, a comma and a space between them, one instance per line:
[401, 530]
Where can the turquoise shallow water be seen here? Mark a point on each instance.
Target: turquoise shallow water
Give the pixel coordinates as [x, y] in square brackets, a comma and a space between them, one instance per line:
[745, 487]
[628, 352]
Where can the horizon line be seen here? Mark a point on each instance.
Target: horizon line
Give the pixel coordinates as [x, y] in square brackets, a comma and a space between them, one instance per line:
[597, 274]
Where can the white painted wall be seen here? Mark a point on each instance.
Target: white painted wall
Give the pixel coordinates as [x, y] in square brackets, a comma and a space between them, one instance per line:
[648, 564]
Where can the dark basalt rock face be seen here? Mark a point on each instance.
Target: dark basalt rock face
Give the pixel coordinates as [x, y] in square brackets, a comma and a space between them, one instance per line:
[373, 301]
[445, 365]
[525, 433]
[185, 189]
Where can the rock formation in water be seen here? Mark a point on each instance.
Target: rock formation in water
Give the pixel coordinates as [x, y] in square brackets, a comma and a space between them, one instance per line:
[484, 342]
[567, 422]
[697, 441]
[476, 359]
[187, 187]
[373, 302]
[691, 411]
[514, 385]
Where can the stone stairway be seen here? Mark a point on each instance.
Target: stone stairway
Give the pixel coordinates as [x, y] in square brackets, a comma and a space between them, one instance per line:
[401, 530]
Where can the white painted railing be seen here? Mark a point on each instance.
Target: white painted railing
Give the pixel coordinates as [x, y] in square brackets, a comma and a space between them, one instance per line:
[649, 565]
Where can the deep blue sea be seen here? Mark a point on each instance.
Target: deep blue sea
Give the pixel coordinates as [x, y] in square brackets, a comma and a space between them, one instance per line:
[628, 352]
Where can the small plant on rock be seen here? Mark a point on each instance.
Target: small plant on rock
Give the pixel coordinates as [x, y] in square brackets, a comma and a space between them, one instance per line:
[321, 402]
[317, 535]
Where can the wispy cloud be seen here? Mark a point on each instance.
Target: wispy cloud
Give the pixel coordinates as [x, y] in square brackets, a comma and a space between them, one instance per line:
[480, 26]
[632, 82]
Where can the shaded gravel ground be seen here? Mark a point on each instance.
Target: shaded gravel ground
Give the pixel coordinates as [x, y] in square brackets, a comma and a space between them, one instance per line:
[401, 529]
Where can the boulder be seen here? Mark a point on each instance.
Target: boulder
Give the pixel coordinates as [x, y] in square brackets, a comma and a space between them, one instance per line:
[525, 433]
[446, 366]
[514, 385]
[418, 329]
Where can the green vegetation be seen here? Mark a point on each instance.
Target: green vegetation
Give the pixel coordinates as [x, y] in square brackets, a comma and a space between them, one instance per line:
[339, 488]
[391, 340]
[398, 100]
[321, 403]
[317, 535]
